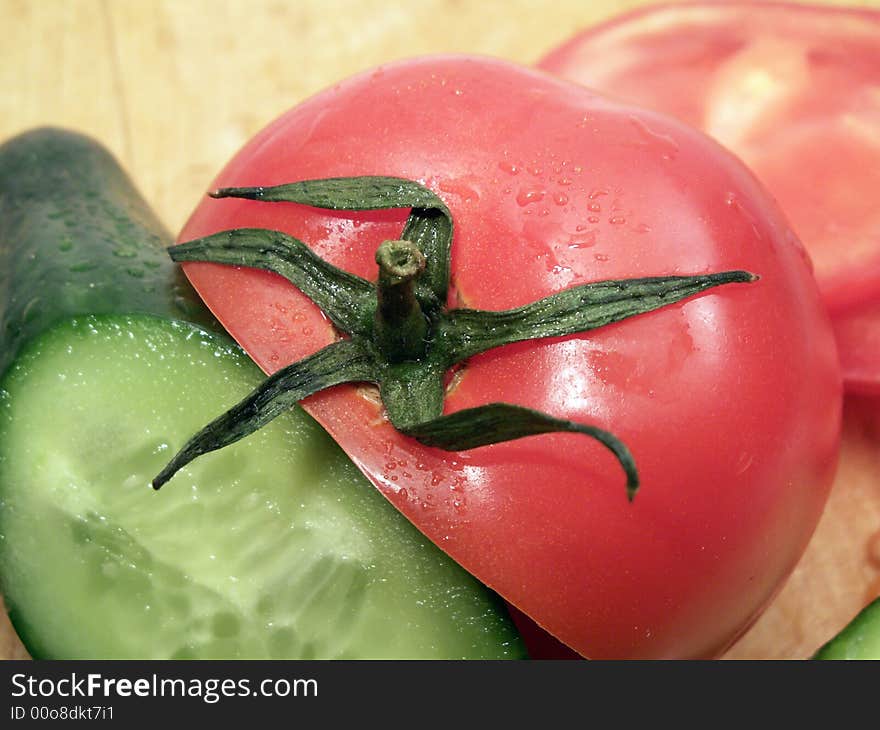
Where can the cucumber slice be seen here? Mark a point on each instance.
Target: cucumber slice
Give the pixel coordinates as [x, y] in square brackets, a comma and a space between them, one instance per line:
[860, 638]
[276, 547]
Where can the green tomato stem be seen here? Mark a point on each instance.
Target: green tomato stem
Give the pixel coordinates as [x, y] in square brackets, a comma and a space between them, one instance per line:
[401, 328]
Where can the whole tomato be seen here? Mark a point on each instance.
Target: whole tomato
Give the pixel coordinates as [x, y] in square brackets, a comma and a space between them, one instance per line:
[728, 401]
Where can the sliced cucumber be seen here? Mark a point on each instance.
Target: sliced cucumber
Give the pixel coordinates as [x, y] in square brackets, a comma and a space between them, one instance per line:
[860, 638]
[275, 547]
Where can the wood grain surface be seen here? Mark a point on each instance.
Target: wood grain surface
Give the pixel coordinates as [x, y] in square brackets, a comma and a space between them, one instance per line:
[173, 88]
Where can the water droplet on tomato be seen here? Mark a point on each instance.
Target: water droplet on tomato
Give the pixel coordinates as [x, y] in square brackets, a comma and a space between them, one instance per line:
[508, 167]
[528, 196]
[464, 191]
[560, 198]
[617, 220]
[584, 239]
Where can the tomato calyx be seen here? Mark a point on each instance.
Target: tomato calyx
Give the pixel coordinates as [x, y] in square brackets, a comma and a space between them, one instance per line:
[400, 333]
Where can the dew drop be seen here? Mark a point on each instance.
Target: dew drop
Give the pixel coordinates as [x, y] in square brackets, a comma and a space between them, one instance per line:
[527, 197]
[583, 239]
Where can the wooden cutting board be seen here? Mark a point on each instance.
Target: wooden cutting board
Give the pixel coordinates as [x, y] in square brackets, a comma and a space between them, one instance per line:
[173, 88]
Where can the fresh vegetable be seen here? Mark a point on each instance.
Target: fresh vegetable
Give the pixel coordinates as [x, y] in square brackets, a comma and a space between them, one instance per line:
[789, 88]
[860, 639]
[728, 402]
[277, 547]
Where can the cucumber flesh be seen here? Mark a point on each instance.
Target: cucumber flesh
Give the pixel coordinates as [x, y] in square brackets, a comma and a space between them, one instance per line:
[275, 547]
[860, 638]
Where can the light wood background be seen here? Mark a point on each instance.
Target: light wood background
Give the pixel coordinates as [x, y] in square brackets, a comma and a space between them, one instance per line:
[174, 87]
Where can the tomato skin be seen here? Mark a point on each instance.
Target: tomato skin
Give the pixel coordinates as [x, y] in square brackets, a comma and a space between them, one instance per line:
[789, 88]
[730, 402]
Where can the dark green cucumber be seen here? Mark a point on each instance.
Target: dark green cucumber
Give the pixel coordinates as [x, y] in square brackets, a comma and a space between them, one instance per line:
[276, 547]
[76, 237]
[859, 639]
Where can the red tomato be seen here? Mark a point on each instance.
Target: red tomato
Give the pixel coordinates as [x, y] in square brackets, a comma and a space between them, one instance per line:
[793, 90]
[729, 402]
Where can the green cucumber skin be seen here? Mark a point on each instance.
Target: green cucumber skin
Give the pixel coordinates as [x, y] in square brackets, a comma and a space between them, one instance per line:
[77, 238]
[859, 639]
